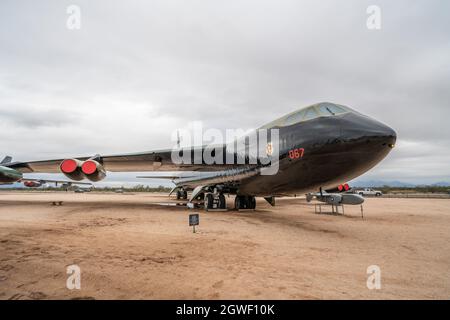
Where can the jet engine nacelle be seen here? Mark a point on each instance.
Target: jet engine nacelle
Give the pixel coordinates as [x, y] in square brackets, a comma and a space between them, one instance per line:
[77, 170]
[71, 168]
[340, 188]
[93, 170]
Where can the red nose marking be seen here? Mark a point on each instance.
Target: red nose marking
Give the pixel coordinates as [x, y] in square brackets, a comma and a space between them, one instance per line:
[89, 167]
[340, 187]
[68, 166]
[346, 187]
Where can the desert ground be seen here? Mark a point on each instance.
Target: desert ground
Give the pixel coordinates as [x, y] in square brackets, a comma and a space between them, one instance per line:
[129, 246]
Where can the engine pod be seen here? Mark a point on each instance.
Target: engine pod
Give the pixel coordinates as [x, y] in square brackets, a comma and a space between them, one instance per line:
[93, 170]
[71, 168]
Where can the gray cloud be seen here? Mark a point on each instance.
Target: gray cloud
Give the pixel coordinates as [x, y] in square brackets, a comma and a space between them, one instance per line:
[136, 71]
[34, 117]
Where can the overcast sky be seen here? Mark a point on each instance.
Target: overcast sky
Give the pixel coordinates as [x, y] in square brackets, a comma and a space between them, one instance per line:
[137, 70]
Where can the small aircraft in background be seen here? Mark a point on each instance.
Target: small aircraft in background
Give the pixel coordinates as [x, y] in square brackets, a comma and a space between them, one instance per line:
[65, 184]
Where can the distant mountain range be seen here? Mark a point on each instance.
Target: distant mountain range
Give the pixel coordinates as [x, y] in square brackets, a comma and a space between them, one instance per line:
[441, 184]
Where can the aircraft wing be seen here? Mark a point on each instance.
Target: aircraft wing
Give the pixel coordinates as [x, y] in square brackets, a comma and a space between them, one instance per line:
[146, 161]
[207, 178]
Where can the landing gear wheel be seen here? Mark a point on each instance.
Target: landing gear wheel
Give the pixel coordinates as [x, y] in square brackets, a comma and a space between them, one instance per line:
[209, 199]
[244, 202]
[201, 196]
[238, 202]
[181, 194]
[251, 202]
[222, 201]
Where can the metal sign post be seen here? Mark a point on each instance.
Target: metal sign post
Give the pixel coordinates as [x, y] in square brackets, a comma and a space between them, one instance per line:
[194, 220]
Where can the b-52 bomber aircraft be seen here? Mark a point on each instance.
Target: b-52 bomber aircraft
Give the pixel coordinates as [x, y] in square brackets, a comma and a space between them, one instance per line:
[319, 147]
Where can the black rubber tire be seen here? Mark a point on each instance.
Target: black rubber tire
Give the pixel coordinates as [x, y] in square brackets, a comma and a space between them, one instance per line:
[222, 202]
[251, 201]
[238, 202]
[244, 202]
[185, 195]
[201, 196]
[209, 199]
[178, 195]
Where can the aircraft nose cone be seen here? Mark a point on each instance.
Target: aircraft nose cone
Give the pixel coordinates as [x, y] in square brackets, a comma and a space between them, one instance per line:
[380, 133]
[383, 134]
[359, 130]
[363, 143]
[390, 136]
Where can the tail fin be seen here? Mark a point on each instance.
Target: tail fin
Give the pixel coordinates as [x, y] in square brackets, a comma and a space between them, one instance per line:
[7, 160]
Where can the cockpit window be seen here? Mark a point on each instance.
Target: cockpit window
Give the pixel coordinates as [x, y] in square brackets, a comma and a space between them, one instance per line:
[310, 114]
[324, 109]
[330, 109]
[336, 109]
[296, 117]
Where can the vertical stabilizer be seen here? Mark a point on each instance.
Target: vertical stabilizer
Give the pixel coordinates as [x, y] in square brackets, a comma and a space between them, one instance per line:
[7, 160]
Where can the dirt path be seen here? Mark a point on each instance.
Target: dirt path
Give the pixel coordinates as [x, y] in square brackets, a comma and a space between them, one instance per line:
[128, 247]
